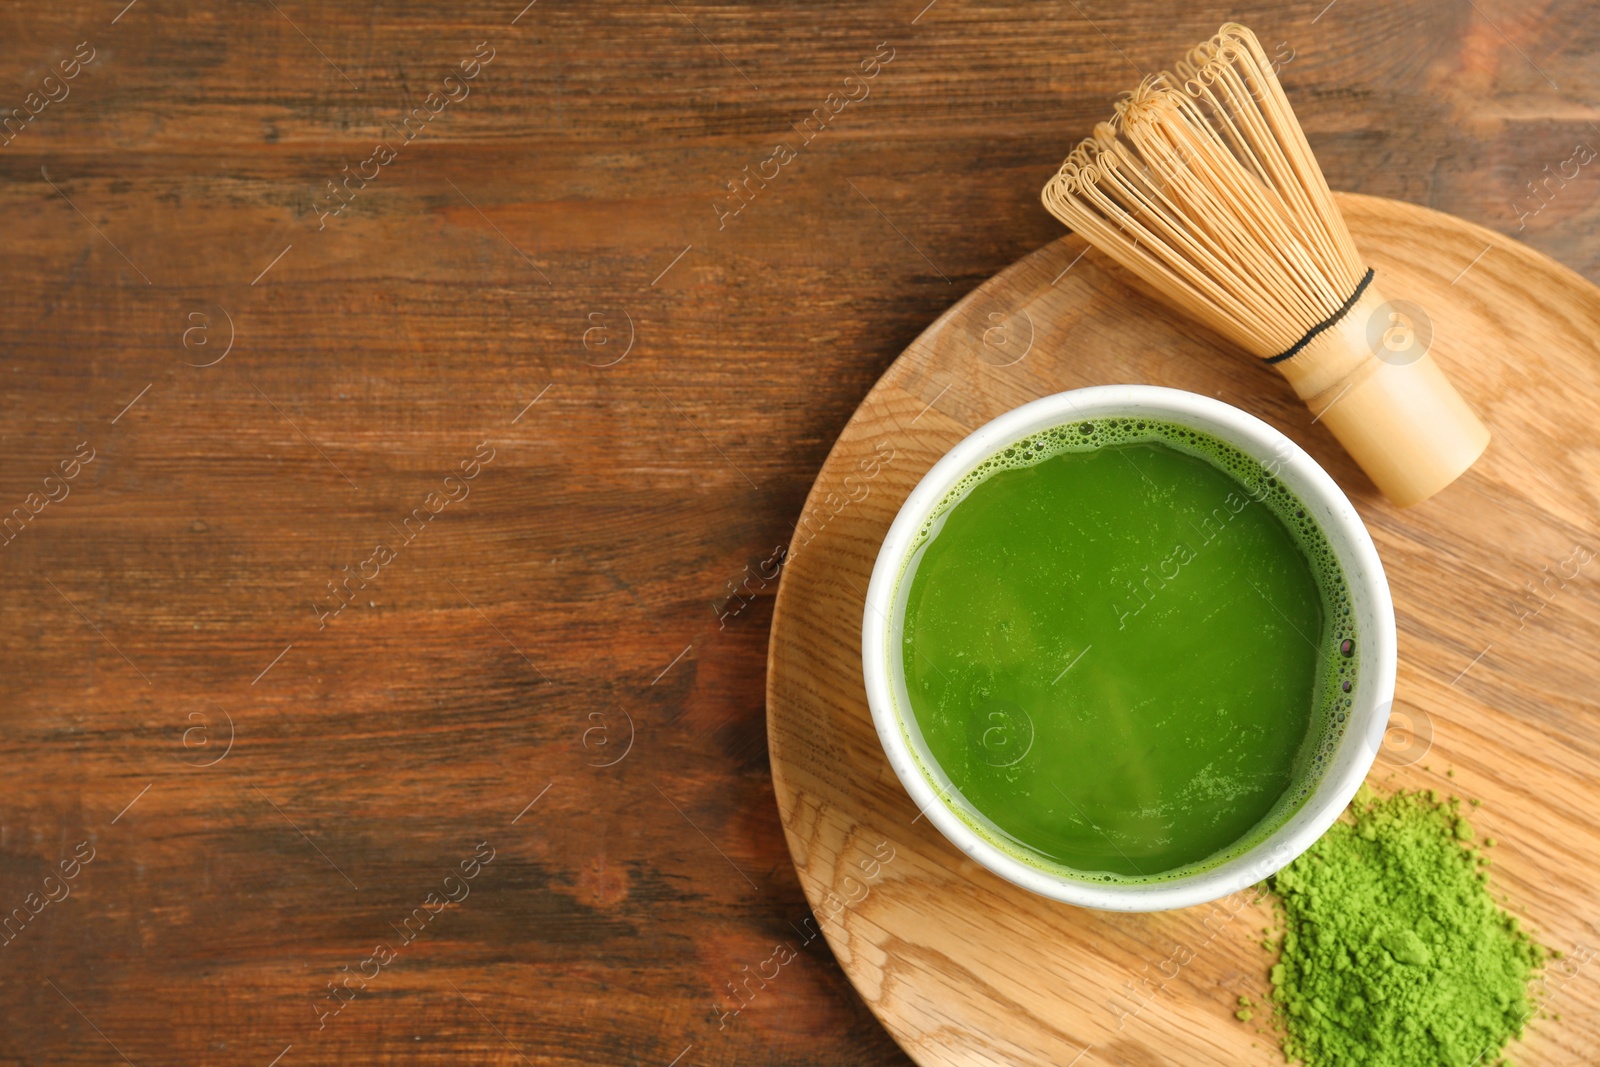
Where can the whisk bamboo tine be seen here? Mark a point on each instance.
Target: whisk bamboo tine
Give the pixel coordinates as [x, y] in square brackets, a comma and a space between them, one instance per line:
[1204, 186]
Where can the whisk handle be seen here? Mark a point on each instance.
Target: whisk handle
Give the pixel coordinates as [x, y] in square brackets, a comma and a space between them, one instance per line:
[1388, 403]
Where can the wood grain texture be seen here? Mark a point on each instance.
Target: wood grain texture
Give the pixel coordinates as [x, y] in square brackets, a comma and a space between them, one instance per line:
[585, 580]
[1495, 697]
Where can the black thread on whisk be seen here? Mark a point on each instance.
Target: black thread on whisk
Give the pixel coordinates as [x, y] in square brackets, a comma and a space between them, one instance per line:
[1344, 309]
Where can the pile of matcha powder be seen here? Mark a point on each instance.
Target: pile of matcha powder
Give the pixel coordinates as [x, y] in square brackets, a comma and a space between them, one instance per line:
[1393, 953]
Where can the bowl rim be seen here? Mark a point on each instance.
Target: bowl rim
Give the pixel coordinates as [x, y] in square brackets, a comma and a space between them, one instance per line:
[1370, 598]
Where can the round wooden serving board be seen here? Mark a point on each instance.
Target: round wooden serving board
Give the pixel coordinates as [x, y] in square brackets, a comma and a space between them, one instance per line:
[1497, 601]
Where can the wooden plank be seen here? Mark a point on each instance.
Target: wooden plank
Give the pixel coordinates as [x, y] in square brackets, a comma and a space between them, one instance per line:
[602, 538]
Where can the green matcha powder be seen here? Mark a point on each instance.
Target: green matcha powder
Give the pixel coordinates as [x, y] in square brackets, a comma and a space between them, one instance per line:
[1393, 952]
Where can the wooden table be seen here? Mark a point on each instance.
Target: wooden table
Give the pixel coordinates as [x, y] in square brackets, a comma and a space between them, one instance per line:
[388, 563]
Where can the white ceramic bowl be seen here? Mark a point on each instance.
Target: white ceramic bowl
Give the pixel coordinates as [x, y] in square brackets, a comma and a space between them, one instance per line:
[1371, 606]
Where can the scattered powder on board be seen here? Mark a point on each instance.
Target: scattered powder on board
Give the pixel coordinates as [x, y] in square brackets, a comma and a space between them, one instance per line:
[1394, 954]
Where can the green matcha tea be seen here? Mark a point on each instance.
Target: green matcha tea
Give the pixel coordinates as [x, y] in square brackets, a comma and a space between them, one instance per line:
[1128, 646]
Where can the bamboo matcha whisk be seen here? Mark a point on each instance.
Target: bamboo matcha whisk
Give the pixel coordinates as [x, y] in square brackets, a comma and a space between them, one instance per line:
[1203, 185]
